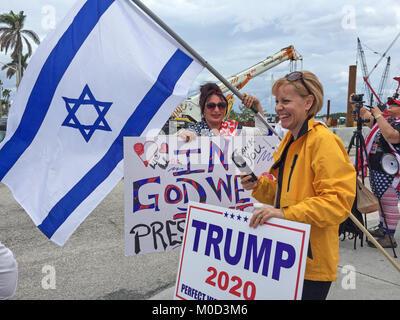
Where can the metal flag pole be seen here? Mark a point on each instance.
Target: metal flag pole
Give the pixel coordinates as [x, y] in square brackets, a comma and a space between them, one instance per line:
[201, 60]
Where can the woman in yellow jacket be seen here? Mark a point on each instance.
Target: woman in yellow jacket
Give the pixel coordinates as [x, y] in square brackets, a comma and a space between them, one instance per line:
[314, 180]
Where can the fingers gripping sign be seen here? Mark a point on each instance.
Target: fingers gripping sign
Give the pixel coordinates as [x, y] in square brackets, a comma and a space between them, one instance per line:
[187, 135]
[264, 213]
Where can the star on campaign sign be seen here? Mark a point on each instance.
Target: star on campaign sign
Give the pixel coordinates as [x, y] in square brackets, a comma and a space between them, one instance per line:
[85, 107]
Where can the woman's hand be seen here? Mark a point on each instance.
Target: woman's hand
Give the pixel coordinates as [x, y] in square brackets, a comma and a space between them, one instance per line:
[187, 135]
[375, 111]
[364, 113]
[263, 214]
[249, 100]
[246, 183]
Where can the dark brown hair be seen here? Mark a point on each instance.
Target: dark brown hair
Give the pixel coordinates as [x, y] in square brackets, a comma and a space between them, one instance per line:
[207, 90]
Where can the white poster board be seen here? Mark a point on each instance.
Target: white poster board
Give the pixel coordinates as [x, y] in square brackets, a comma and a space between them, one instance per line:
[163, 173]
[223, 258]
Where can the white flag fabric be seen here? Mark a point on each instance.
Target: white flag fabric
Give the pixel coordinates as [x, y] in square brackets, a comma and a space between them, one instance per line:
[106, 72]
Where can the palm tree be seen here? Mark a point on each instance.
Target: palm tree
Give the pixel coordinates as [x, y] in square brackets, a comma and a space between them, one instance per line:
[12, 36]
[12, 67]
[6, 101]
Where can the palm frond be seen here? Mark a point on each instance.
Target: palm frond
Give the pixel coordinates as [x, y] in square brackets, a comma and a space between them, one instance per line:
[7, 19]
[32, 35]
[28, 45]
[11, 69]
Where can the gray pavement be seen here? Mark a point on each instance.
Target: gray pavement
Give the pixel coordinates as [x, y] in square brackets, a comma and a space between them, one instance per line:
[92, 264]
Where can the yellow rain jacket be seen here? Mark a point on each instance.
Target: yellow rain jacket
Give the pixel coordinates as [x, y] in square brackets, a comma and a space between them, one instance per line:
[318, 188]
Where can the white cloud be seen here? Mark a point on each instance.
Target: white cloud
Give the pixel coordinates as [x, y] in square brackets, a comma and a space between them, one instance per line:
[370, 11]
[340, 77]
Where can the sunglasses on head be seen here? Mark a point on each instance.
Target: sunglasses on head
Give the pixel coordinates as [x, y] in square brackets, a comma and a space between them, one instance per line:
[297, 75]
[212, 105]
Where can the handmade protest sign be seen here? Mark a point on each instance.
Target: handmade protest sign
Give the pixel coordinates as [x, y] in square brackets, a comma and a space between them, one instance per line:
[163, 173]
[223, 258]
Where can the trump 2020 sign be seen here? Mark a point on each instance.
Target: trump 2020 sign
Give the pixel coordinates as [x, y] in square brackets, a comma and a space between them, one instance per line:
[223, 258]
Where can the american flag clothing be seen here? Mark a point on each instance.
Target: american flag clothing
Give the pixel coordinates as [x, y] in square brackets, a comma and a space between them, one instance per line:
[228, 128]
[376, 143]
[390, 219]
[380, 182]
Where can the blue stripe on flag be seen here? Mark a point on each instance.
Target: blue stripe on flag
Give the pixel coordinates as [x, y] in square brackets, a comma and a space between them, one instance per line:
[46, 84]
[135, 125]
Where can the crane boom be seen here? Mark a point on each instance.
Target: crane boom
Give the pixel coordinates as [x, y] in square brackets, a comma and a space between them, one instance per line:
[363, 67]
[190, 107]
[384, 54]
[384, 79]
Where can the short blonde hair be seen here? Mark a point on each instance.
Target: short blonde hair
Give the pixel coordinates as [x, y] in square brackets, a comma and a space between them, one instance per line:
[313, 85]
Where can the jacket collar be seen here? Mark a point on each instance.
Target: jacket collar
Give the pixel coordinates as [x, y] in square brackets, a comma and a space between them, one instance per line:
[289, 139]
[307, 126]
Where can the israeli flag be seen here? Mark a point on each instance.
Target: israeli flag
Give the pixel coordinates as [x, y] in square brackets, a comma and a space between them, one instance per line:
[106, 72]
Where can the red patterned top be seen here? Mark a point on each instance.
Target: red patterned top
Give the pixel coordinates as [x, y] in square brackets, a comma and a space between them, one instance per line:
[228, 128]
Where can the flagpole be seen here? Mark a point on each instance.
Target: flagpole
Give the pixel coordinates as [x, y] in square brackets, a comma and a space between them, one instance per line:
[201, 60]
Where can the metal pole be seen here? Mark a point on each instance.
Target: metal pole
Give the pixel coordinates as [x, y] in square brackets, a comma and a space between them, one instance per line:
[201, 60]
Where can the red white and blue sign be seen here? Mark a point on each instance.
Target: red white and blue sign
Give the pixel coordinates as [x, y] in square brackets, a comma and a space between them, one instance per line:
[163, 173]
[223, 258]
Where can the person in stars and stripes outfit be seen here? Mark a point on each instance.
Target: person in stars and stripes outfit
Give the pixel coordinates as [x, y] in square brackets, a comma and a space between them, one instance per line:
[383, 139]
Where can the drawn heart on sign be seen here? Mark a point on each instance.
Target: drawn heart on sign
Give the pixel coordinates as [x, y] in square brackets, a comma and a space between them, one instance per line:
[146, 151]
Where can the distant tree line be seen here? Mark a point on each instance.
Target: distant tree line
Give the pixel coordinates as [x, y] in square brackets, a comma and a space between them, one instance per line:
[337, 115]
[246, 117]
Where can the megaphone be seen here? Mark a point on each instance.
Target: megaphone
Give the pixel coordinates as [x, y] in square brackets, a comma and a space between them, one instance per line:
[389, 164]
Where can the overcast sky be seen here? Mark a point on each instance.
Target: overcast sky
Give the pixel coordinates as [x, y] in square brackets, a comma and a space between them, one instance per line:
[233, 35]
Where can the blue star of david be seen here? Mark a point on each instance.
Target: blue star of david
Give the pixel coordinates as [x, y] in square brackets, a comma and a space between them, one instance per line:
[86, 98]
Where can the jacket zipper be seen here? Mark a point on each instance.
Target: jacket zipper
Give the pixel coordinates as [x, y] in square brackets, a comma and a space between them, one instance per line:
[291, 170]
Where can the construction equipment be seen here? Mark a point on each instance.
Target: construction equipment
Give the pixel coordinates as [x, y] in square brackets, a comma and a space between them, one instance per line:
[361, 54]
[382, 84]
[384, 54]
[367, 75]
[189, 111]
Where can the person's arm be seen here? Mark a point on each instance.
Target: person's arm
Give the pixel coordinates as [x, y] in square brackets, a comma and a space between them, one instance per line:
[366, 115]
[264, 191]
[389, 133]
